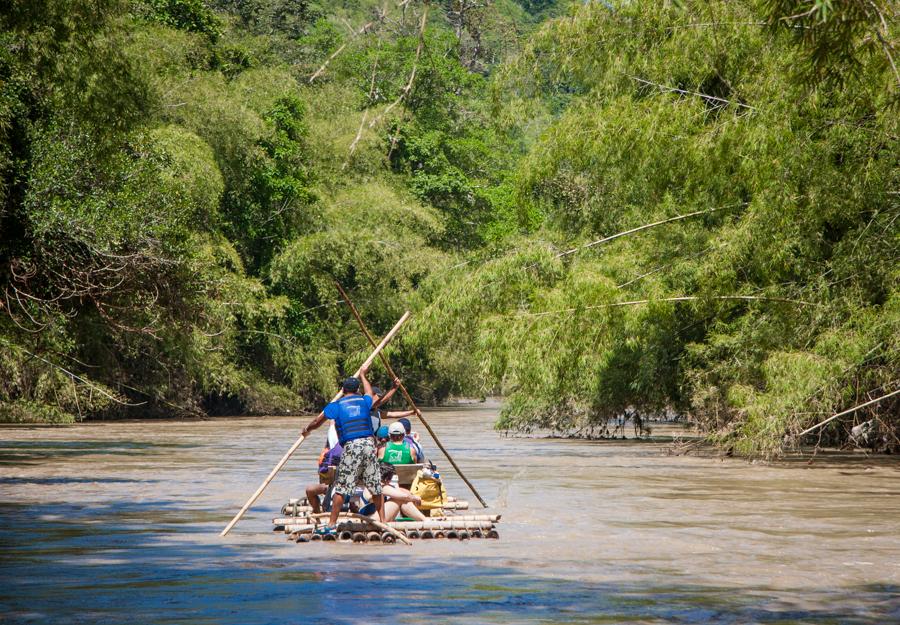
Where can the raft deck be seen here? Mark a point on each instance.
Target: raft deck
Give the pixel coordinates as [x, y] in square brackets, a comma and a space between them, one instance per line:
[299, 523]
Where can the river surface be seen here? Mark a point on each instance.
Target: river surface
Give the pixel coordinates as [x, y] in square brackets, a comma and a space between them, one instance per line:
[111, 523]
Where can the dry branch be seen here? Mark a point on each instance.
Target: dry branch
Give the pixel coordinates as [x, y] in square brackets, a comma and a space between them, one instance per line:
[705, 96]
[644, 227]
[683, 298]
[403, 92]
[382, 13]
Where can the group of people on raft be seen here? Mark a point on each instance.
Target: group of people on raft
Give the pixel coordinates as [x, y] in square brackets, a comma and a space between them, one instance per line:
[364, 453]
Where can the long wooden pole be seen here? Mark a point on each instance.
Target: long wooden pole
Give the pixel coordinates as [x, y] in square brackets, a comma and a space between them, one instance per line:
[284, 459]
[406, 394]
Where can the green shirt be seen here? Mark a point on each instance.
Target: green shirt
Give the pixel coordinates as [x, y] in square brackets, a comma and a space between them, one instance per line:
[397, 453]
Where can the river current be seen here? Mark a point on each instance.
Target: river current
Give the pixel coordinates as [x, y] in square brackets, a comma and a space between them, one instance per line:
[109, 523]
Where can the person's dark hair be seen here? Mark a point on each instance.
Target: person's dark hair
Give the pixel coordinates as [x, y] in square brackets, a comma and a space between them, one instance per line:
[350, 385]
[387, 470]
[406, 424]
[376, 390]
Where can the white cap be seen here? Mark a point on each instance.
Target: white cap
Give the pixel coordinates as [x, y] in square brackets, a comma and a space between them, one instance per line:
[396, 428]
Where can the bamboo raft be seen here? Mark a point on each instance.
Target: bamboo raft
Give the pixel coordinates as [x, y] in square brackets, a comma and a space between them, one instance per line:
[299, 523]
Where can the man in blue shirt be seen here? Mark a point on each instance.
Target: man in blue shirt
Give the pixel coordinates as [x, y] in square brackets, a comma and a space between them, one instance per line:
[352, 419]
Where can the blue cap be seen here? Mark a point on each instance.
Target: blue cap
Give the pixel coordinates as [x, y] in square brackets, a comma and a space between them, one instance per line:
[350, 385]
[382, 432]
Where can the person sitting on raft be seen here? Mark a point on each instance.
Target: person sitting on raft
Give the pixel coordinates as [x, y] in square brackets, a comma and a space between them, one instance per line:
[397, 450]
[329, 458]
[353, 421]
[381, 438]
[412, 437]
[397, 499]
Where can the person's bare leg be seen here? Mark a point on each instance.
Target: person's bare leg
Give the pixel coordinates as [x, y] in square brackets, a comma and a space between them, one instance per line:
[337, 502]
[379, 503]
[391, 509]
[409, 509]
[312, 496]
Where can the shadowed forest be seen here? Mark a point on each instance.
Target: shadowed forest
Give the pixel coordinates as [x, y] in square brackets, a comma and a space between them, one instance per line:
[591, 208]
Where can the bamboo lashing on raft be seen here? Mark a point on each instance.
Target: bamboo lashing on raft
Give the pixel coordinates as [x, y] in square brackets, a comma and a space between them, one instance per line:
[284, 459]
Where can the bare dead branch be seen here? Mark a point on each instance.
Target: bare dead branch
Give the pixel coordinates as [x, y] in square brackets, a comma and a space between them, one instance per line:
[73, 376]
[382, 14]
[682, 298]
[403, 92]
[710, 98]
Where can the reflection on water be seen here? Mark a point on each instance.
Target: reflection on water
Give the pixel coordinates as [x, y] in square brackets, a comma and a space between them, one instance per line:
[110, 523]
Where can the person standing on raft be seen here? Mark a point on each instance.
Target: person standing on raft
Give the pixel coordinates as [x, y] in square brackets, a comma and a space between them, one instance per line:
[352, 419]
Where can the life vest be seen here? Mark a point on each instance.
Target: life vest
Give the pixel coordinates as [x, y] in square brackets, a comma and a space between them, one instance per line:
[352, 417]
[397, 453]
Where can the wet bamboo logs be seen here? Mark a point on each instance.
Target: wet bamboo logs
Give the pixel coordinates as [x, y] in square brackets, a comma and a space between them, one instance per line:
[368, 525]
[302, 508]
[359, 537]
[388, 539]
[310, 518]
[455, 505]
[345, 535]
[374, 537]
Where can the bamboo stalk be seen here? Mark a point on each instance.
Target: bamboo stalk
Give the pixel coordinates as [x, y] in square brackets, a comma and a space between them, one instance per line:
[284, 459]
[409, 398]
[846, 412]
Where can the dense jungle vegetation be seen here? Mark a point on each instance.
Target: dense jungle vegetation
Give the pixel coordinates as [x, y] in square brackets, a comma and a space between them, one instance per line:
[591, 208]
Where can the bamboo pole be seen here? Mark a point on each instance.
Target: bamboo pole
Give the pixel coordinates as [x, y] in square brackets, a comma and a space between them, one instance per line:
[284, 459]
[846, 412]
[406, 395]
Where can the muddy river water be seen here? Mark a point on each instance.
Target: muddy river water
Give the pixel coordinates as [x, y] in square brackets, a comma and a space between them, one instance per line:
[119, 523]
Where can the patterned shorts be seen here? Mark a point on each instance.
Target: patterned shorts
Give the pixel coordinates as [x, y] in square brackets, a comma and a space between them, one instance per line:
[359, 465]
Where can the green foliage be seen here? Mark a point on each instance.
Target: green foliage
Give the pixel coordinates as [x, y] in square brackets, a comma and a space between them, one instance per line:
[179, 197]
[844, 42]
[671, 110]
[190, 15]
